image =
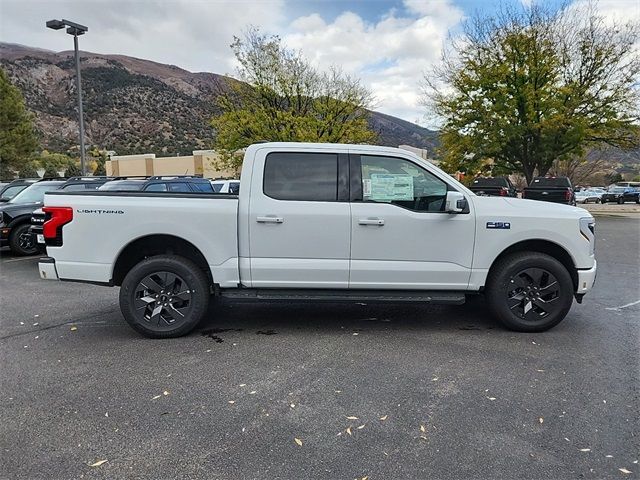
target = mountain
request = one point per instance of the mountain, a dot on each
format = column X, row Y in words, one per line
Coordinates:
column 133, row 105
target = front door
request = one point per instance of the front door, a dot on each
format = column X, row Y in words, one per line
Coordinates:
column 401, row 236
column 299, row 221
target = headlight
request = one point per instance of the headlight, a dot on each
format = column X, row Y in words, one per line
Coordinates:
column 588, row 231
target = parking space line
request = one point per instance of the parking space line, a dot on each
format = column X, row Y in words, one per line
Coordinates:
column 623, row 306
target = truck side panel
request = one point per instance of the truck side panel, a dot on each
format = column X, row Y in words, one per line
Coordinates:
column 103, row 226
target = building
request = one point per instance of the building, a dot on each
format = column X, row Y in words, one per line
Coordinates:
column 201, row 162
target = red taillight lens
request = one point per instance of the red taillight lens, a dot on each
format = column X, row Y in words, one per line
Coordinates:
column 52, row 228
column 568, row 195
column 503, row 192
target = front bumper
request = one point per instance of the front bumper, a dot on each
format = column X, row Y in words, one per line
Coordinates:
column 586, row 279
column 47, row 269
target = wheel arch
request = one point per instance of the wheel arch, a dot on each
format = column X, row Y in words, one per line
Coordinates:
column 541, row 246
column 19, row 220
column 153, row 245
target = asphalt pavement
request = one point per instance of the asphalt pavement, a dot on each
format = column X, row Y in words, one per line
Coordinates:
column 327, row 391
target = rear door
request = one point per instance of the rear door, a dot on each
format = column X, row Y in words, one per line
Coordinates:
column 299, row 220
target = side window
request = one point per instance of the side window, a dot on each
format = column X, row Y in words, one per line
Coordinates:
column 401, row 182
column 179, row 187
column 204, row 187
column 301, row 176
column 74, row 187
column 156, row 187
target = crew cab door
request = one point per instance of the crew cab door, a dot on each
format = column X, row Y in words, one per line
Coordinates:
column 299, row 220
column 401, row 236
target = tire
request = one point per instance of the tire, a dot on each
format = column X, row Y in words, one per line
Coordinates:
column 620, row 201
column 21, row 242
column 529, row 291
column 179, row 281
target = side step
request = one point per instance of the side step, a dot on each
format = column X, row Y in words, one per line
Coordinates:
column 419, row 296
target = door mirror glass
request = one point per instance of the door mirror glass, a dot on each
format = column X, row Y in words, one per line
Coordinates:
column 456, row 202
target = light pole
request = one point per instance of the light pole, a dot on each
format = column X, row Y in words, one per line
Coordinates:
column 76, row 30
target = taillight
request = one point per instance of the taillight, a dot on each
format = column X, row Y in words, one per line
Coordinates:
column 522, row 194
column 52, row 228
column 568, row 195
column 503, row 191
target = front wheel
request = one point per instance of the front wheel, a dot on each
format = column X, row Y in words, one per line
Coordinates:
column 529, row 291
column 164, row 296
column 22, row 242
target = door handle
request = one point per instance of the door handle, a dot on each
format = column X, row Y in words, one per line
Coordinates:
column 371, row 221
column 269, row 219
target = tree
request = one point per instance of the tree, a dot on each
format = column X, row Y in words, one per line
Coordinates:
column 51, row 171
column 528, row 87
column 282, row 97
column 17, row 135
column 100, row 167
column 72, row 170
column 28, row 170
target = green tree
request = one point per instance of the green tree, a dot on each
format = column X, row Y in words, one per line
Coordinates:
column 529, row 87
column 50, row 170
column 28, row 170
column 72, row 169
column 100, row 167
column 18, row 140
column 282, row 97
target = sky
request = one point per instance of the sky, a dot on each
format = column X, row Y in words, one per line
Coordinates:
column 389, row 44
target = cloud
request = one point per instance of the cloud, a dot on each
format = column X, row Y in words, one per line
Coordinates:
column 193, row 35
column 389, row 54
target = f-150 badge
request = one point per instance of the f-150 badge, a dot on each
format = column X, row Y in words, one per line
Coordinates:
column 500, row 225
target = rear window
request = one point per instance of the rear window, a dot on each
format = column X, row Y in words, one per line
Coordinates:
column 301, row 176
column 551, row 182
column 204, row 187
column 490, row 182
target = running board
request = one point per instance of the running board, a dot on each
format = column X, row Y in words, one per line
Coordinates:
column 434, row 297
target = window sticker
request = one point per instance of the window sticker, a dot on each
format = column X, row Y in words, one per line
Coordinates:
column 366, row 187
column 387, row 187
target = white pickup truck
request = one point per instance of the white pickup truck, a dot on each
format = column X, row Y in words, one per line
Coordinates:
column 323, row 222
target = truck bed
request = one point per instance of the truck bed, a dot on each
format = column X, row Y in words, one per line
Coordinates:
column 206, row 220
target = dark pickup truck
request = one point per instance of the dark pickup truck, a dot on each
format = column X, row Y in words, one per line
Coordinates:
column 550, row 189
column 494, row 187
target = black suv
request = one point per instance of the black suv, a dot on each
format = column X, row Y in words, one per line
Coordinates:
column 493, row 186
column 11, row 189
column 15, row 216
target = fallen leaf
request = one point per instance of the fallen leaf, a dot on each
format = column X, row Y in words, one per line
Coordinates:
column 338, row 391
column 156, row 397
column 423, row 437
column 165, row 393
column 349, row 430
column 293, row 405
column 352, row 418
column 434, row 379
column 232, row 402
column 252, row 392
column 567, row 439
column 541, row 420
column 491, row 398
column 384, row 417
column 539, row 370
column 298, row 441
column 365, row 478
column 361, row 426
column 355, row 333
column 73, row 329
column 106, row 414
column 625, row 471
column 98, row 463
column 609, row 456
column 422, row 429
column 585, row 449
column 242, row 385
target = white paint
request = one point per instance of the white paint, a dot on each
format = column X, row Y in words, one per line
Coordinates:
column 623, row 306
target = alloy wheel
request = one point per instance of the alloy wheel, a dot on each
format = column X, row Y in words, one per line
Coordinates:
column 533, row 294
column 162, row 300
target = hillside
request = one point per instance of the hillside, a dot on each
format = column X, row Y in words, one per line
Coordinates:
column 139, row 106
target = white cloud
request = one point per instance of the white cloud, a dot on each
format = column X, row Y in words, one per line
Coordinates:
column 389, row 55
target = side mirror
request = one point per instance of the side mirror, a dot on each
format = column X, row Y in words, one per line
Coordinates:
column 455, row 203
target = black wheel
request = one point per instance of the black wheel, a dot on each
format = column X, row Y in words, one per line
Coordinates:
column 164, row 296
column 620, row 201
column 21, row 242
column 529, row 291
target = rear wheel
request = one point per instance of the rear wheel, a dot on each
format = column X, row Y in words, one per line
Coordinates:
column 21, row 241
column 529, row 291
column 164, row 296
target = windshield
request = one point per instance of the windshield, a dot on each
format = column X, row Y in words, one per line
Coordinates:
column 35, row 193
column 12, row 191
column 617, row 189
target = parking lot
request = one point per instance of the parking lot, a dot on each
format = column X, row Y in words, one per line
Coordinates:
column 322, row 391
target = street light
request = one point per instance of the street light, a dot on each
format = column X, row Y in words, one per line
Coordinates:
column 76, row 30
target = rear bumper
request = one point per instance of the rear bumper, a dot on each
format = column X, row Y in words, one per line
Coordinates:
column 586, row 279
column 47, row 269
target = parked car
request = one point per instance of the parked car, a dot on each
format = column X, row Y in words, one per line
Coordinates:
column 323, row 222
column 73, row 184
column 494, row 186
column 550, row 189
column 621, row 195
column 15, row 216
column 226, row 186
column 176, row 184
column 11, row 189
column 589, row 195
